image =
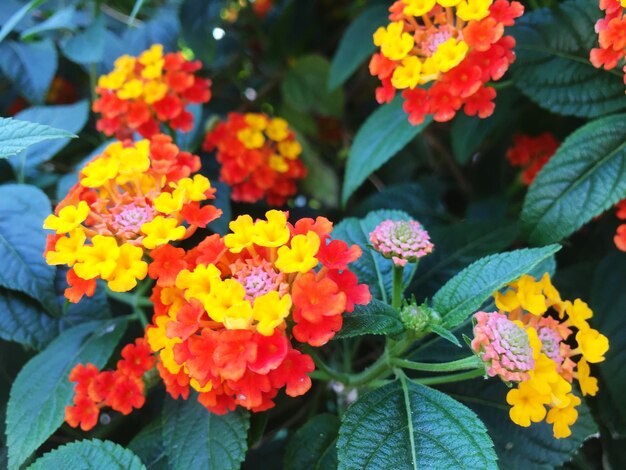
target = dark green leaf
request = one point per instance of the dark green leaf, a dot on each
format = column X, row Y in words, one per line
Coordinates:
column 553, row 68
column 312, row 447
column 195, row 438
column 198, row 18
column 148, row 446
column 16, row 135
column 8, row 26
column 467, row 291
column 585, row 177
column 87, row 47
column 357, row 44
column 61, row 19
column 406, row 425
column 221, row 201
column 321, row 181
column 42, row 390
column 86, row 455
column 383, row 134
column 375, row 318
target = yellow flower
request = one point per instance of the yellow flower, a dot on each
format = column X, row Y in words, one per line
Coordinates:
column 300, row 257
column 393, row 42
column 66, row 248
column 273, row 232
column 168, row 203
column 243, row 231
column 277, row 129
column 69, row 218
column 132, row 89
column 198, row 388
column 197, row 283
column 133, row 160
column 238, row 316
column 278, row 163
column 154, row 71
column 258, row 122
column 418, row 7
column 527, row 405
column 592, row 344
column 250, row 138
column 448, row 3
column 529, row 293
column 506, row 302
column 154, row 54
column 160, row 231
column 225, row 294
column 549, row 290
column 408, row 74
column 588, row 384
column 112, row 81
column 99, row 171
column 290, row 149
column 578, row 314
column 473, row 9
column 158, row 341
column 130, row 267
column 563, row 418
column 99, row 259
column 270, row 311
column 125, row 64
column 449, row 54
column 194, row 189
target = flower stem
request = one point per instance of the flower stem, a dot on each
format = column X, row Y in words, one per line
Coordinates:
column 398, row 286
column 471, row 362
column 442, row 379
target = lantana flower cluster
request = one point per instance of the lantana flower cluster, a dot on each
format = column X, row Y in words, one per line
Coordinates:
column 442, row 53
column 121, row 389
column 531, row 154
column 402, row 241
column 143, row 92
column 611, row 36
column 260, row 157
column 133, row 197
column 228, row 313
column 542, row 344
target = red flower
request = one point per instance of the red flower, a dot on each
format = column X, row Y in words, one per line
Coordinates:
column 83, row 413
column 337, row 254
column 78, row 287
column 167, row 262
column 293, row 373
column 138, row 359
column 126, row 394
column 317, row 299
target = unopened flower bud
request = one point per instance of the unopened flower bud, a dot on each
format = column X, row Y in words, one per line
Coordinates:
column 402, row 241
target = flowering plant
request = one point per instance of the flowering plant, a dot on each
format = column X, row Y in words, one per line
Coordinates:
column 287, row 234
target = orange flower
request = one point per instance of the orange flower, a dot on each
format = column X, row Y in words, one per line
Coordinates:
column 531, row 153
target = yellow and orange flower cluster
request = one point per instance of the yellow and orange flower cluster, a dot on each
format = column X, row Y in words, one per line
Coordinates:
column 143, row 92
column 456, row 46
column 133, row 197
column 557, row 347
column 227, row 311
column 260, row 157
column 611, row 36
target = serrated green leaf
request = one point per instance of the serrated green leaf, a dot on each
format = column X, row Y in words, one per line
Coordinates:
column 520, row 448
column 406, row 425
column 585, row 177
column 375, row 318
column 313, row 446
column 467, row 291
column 86, row 455
column 22, row 241
column 42, row 390
column 371, row 268
column 195, row 438
column 17, row 135
column 385, row 132
column 553, row 68
column 148, row 446
column 356, row 44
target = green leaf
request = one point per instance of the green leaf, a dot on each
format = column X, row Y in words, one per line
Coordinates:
column 553, row 68
column 321, row 181
column 375, row 318
column 467, row 291
column 71, row 118
column 304, row 88
column 406, row 425
column 520, row 448
column 22, row 242
column 197, row 19
column 148, row 446
column 221, row 201
column 312, row 447
column 30, row 66
column 42, row 390
column 86, row 455
column 371, row 268
column 61, row 19
column 16, row 135
column 585, row 177
column 383, row 134
column 86, row 47
column 357, row 44
column 8, row 26
column 195, row 438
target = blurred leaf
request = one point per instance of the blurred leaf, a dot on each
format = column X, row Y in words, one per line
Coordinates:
column 195, row 438
column 148, row 446
column 465, row 293
column 585, row 177
column 553, row 68
column 356, row 44
column 375, row 318
column 385, row 132
column 86, row 47
column 64, row 18
column 135, row 11
column 221, row 201
column 198, row 18
column 70, row 117
column 189, row 141
column 85, row 455
column 321, row 181
column 42, row 390
column 17, row 135
column 30, row 66
column 304, row 87
column 406, row 425
column 22, row 242
column 371, row 268
column 312, row 447
column 8, row 26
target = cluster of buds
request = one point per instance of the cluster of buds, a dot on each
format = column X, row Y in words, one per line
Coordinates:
column 402, row 241
column 541, row 343
column 143, row 92
column 133, row 197
column 531, row 154
column 260, row 157
column 455, row 46
column 121, row 389
column 611, row 36
column 227, row 311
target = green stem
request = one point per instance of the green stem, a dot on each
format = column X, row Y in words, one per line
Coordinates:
column 502, row 85
column 443, row 379
column 471, row 362
column 398, row 286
